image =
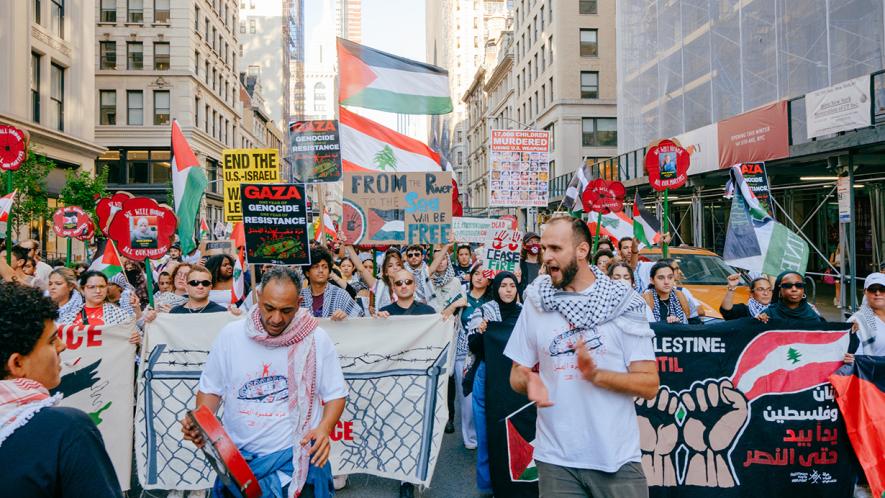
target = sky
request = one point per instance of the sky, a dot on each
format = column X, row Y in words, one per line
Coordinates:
column 395, row 26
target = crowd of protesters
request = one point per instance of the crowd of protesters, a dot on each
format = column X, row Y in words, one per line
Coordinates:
column 561, row 286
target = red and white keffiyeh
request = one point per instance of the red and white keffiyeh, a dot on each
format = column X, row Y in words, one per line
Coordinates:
column 302, row 381
column 20, row 399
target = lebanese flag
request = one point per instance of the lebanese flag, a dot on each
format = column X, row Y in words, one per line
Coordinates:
column 6, row 206
column 109, row 263
column 188, row 186
column 786, row 361
column 327, row 227
column 238, row 290
column 615, row 226
column 378, row 80
column 370, row 147
column 238, row 234
column 860, row 394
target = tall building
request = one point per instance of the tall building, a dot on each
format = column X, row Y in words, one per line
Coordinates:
column 159, row 61
column 48, row 89
column 263, row 35
column 295, row 58
column 257, row 128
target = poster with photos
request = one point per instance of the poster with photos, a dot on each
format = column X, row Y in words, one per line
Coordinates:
column 519, row 172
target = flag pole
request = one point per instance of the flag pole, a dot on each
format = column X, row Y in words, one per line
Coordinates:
column 149, row 280
column 596, row 237
column 9, row 220
column 68, row 258
column 665, row 223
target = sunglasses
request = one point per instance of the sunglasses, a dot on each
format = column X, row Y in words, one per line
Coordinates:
column 197, row 283
column 876, row 288
column 787, row 286
column 414, row 254
column 407, row 281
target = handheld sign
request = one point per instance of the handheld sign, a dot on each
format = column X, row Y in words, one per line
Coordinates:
column 275, row 224
column 13, row 147
column 107, row 207
column 667, row 165
column 501, row 252
column 246, row 166
column 603, row 197
column 72, row 221
column 223, row 454
column 314, row 151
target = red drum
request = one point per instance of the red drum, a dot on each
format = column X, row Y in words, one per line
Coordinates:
column 223, row 454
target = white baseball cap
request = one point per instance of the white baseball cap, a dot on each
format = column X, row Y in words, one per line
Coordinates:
column 873, row 279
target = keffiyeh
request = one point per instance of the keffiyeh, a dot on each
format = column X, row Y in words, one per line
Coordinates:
column 68, row 311
column 674, row 307
column 755, row 307
column 865, row 318
column 423, row 288
column 302, row 381
column 334, row 298
column 20, row 399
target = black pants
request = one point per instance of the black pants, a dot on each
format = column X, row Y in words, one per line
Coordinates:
column 450, row 399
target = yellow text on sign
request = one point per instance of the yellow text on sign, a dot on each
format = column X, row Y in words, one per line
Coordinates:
column 246, row 166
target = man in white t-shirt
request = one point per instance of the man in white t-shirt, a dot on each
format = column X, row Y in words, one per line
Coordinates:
column 587, row 439
column 281, row 426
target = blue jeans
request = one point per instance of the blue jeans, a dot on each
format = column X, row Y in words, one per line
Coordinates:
column 483, row 475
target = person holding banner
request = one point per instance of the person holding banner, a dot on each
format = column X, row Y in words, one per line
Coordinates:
column 222, row 268
column 165, row 301
column 463, row 264
column 582, row 351
column 405, row 285
column 870, row 318
column 667, row 304
column 382, row 286
column 278, row 346
column 96, row 309
column 415, row 263
column 45, row 450
column 789, row 301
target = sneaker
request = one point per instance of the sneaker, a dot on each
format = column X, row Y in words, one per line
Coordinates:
column 470, row 446
column 450, row 427
column 862, row 491
column 339, row 482
column 406, row 490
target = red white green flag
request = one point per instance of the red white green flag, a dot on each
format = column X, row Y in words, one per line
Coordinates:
column 188, row 186
column 204, row 229
column 370, row 147
column 238, row 290
column 520, row 452
column 109, row 263
column 6, row 206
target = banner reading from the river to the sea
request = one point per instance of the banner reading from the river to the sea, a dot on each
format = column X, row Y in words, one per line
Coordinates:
column 519, row 168
column 745, row 410
column 246, row 166
column 396, row 208
column 98, row 377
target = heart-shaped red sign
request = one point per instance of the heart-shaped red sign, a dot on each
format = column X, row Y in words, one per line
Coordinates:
column 107, row 207
column 143, row 229
column 603, row 196
column 13, row 147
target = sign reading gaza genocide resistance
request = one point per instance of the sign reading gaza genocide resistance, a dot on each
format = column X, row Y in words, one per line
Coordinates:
column 393, row 208
column 501, row 252
column 246, row 166
column 275, row 223
column 315, row 151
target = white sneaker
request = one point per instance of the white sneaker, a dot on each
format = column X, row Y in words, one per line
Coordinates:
column 470, row 446
column 339, row 482
column 861, row 491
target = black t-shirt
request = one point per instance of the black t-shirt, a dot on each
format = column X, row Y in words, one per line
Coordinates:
column 59, row 453
column 212, row 307
column 739, row 310
column 664, row 309
column 415, row 309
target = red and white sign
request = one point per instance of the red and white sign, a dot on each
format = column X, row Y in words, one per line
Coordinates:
column 667, row 165
column 73, row 221
column 107, row 207
column 604, row 196
column 762, row 134
column 13, row 147
column 143, row 229
column 501, row 252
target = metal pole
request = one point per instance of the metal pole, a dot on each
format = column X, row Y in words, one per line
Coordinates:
column 149, row 279
column 852, row 238
column 9, row 221
column 665, row 222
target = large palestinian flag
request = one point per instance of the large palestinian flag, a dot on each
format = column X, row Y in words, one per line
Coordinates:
column 188, row 185
column 377, row 80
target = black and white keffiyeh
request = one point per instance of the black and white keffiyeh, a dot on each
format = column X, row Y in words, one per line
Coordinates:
column 865, row 318
column 607, row 300
column 67, row 312
column 755, row 307
column 673, row 305
column 424, row 292
column 441, row 279
column 334, row 298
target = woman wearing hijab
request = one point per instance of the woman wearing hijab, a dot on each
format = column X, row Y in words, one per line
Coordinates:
column 504, row 307
column 788, row 301
column 667, row 304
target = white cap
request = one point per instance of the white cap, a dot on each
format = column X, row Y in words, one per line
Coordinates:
column 874, row 278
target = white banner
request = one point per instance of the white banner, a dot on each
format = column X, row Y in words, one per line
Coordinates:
column 393, row 421
column 841, row 107
column 476, row 229
column 702, row 145
column 97, row 377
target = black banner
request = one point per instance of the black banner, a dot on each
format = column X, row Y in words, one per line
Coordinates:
column 744, row 410
column 315, row 151
column 510, row 424
column 275, row 222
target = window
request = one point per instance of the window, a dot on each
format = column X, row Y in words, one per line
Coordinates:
column 134, row 55
column 550, row 13
column 214, row 79
column 161, row 107
column 36, row 59
column 542, row 18
column 252, row 26
column 589, row 85
column 551, row 89
column 242, row 27
column 587, row 6
column 136, row 11
column 161, row 56
column 589, row 46
column 206, row 74
column 207, row 29
column 57, row 94
column 108, row 11
column 530, row 73
column 139, row 166
column 550, row 50
column 196, row 111
column 319, row 97
column 197, row 19
column 107, row 52
column 134, row 107
column 599, row 132
column 161, row 11
column 107, row 101
column 206, row 119
column 38, row 7
column 57, row 14
column 196, row 63
column 160, row 167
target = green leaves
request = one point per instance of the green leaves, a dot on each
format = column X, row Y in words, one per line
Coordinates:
column 83, row 189
column 385, row 159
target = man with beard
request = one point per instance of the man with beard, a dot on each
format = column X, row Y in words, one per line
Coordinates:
column 280, row 380
column 588, row 339
column 414, row 262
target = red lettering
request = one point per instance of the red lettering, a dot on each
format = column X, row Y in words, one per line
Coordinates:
column 93, row 337
column 272, row 192
column 668, row 364
column 752, row 168
column 342, row 431
column 74, row 336
column 313, row 126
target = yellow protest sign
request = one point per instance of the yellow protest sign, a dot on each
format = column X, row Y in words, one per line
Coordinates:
column 246, row 166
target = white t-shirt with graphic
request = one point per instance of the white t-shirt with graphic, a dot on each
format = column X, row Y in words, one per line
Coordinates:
column 587, row 427
column 252, row 381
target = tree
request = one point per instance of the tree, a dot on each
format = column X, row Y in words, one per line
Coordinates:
column 83, row 189
column 793, row 355
column 32, row 200
column 385, row 159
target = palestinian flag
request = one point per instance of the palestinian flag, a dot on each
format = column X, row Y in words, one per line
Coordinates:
column 754, row 241
column 572, row 201
column 520, row 452
column 615, row 226
column 6, row 206
column 370, row 147
column 646, row 228
column 860, row 393
column 204, row 229
column 188, row 186
column 238, row 289
column 787, row 361
column 387, row 224
column 109, row 262
column 377, row 80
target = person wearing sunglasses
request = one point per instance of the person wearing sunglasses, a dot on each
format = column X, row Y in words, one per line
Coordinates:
column 789, row 301
column 199, row 284
column 414, row 262
column 870, row 318
column 404, row 286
